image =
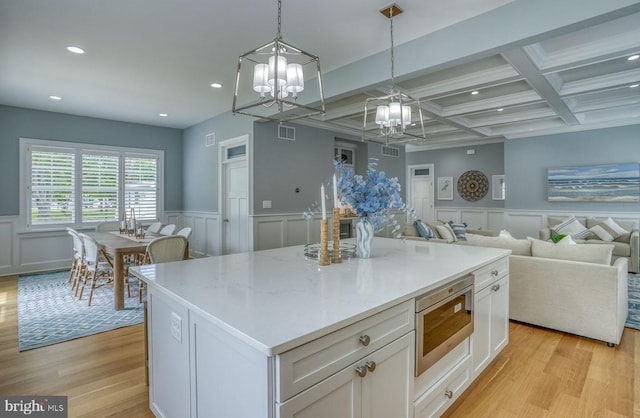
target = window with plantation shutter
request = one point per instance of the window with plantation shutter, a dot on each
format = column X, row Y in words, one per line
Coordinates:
column 141, row 186
column 80, row 185
column 100, row 187
column 52, row 186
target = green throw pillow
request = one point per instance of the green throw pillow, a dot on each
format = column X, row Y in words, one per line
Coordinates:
column 557, row 238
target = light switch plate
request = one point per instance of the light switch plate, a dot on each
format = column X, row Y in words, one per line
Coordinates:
column 266, row 204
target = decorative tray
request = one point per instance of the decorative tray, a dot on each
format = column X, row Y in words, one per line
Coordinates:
column 347, row 251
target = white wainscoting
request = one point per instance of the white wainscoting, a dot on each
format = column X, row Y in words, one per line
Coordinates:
column 205, row 236
column 31, row 252
column 478, row 218
column 284, row 230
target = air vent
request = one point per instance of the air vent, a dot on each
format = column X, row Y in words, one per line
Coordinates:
column 210, row 139
column 390, row 151
column 286, row 132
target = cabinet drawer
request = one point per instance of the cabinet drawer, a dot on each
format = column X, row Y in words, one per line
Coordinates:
column 304, row 366
column 490, row 273
column 439, row 398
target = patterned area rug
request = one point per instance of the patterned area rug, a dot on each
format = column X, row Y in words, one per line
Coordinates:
column 633, row 320
column 48, row 313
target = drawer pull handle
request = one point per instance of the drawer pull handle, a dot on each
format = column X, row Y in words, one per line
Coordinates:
column 371, row 366
column 365, row 340
column 495, row 287
column 494, row 273
column 448, row 394
column 361, row 370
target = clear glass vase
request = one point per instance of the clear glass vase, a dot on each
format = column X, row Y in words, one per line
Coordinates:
column 364, row 237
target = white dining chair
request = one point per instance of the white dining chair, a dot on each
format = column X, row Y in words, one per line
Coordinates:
column 155, row 227
column 98, row 272
column 185, row 232
column 77, row 262
column 108, row 226
column 163, row 250
column 167, row 229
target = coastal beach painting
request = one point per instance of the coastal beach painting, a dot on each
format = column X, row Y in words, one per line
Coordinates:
column 594, row 183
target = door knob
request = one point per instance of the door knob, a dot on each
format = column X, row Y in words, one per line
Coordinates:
column 226, row 219
column 361, row 370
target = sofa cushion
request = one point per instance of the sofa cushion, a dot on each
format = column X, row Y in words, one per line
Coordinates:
column 517, row 246
column 424, row 230
column 554, row 220
column 434, row 227
column 571, row 226
column 410, row 230
column 598, row 254
column 459, row 230
column 620, row 249
column 445, row 232
column 601, row 233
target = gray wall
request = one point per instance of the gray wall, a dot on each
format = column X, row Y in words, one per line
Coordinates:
column 281, row 166
column 527, row 161
column 16, row 123
column 200, row 172
column 453, row 162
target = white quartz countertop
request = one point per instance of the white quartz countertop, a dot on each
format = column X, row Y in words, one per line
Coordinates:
column 275, row 300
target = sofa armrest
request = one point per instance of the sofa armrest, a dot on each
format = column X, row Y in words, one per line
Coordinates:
column 545, row 234
column 634, row 259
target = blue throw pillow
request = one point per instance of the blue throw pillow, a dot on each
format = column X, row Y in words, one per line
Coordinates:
column 423, row 230
column 460, row 230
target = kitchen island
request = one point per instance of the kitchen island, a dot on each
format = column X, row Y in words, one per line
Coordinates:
column 272, row 334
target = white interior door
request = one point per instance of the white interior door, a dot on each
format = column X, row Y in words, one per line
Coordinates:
column 235, row 199
column 421, row 196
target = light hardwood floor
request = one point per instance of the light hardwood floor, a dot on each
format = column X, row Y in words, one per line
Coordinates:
column 541, row 373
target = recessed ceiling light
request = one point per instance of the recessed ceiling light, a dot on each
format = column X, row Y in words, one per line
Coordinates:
column 500, row 110
column 55, row 97
column 75, row 49
column 633, row 86
column 475, row 92
column 164, row 115
column 633, row 57
column 216, row 85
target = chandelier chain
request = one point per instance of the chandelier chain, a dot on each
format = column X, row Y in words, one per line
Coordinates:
column 392, row 57
column 279, row 18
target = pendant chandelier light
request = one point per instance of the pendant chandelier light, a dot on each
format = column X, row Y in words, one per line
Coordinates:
column 270, row 81
column 396, row 114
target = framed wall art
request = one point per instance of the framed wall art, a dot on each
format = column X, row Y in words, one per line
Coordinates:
column 473, row 185
column 445, row 188
column 497, row 187
column 594, row 183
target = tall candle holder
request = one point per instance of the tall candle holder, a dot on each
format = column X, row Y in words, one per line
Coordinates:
column 336, row 256
column 323, row 259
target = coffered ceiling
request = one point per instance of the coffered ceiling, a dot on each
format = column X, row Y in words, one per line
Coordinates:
column 146, row 57
column 582, row 79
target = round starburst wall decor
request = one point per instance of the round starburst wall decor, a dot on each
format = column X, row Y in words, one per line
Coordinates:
column 473, row 185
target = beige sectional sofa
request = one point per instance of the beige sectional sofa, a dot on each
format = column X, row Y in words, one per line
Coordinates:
column 570, row 288
column 626, row 245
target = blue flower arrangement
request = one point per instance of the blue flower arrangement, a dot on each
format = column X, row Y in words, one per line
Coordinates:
column 373, row 196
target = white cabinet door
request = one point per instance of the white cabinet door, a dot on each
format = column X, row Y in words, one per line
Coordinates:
column 378, row 386
column 491, row 323
column 499, row 315
column 336, row 396
column 387, row 388
column 481, row 338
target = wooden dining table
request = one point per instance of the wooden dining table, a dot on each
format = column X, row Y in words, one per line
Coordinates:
column 117, row 247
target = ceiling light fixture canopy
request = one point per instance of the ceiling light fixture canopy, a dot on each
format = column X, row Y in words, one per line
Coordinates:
column 395, row 112
column 277, row 78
